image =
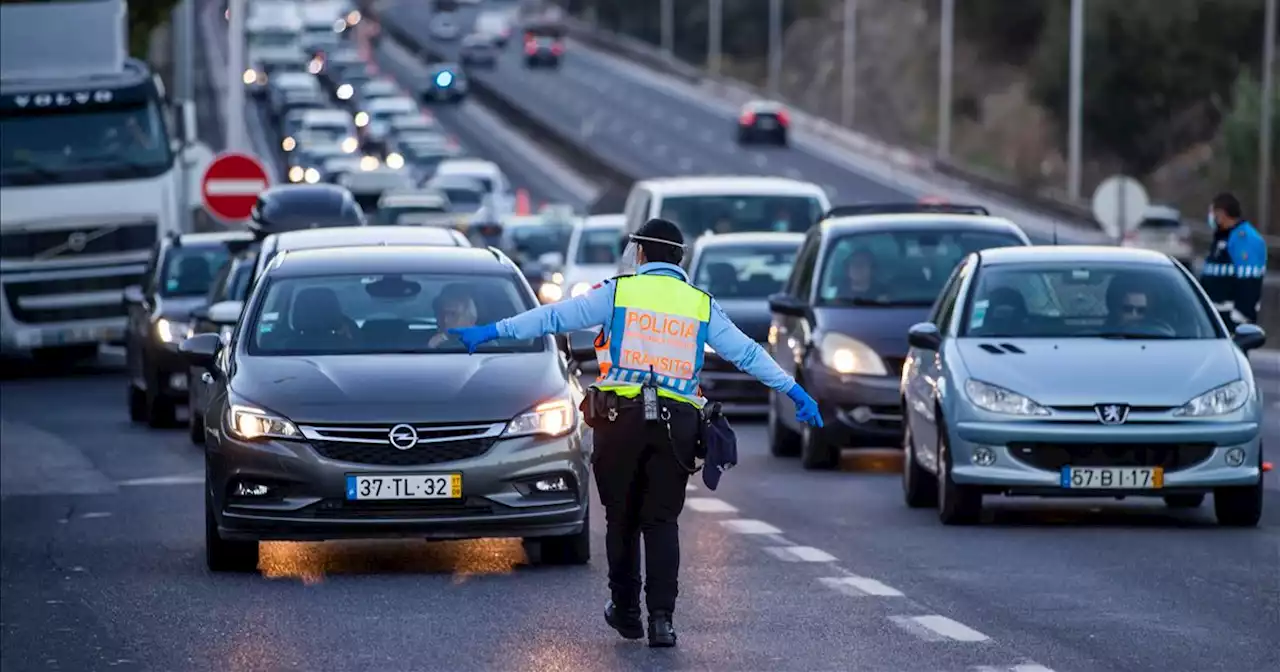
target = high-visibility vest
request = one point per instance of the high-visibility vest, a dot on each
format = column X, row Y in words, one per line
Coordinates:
column 658, row 329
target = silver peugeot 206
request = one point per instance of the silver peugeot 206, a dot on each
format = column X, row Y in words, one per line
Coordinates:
column 1080, row 371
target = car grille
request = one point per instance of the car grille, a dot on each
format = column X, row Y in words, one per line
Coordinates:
column 370, row 444
column 15, row 291
column 1055, row 456
column 88, row 240
column 341, row 508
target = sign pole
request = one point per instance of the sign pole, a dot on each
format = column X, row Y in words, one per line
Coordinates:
column 1075, row 101
column 1266, row 123
column 234, row 117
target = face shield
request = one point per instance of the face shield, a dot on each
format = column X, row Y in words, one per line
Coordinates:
column 628, row 262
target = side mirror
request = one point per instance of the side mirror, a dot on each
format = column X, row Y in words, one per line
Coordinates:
column 551, row 260
column 201, row 313
column 1249, row 337
column 925, row 336
column 785, row 304
column 201, row 349
column 226, row 312
column 133, row 295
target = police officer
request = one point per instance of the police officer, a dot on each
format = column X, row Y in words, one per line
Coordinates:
column 655, row 327
column 1236, row 265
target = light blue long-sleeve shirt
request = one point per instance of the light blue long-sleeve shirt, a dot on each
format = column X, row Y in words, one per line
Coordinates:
column 595, row 308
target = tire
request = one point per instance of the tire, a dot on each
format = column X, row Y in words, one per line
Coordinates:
column 781, row 140
column 571, row 549
column 195, row 425
column 957, row 504
column 816, row 452
column 137, row 404
column 1184, row 501
column 743, row 137
column 919, row 487
column 1239, row 506
column 162, row 412
column 223, row 555
column 782, row 441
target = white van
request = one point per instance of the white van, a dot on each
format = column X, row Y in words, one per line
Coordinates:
column 727, row 204
column 486, row 173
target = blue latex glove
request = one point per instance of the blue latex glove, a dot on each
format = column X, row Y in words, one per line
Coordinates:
column 806, row 408
column 472, row 337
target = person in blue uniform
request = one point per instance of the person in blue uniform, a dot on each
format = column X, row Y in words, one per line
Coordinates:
column 655, row 328
column 1236, row 264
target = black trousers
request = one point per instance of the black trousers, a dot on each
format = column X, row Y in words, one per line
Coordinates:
column 641, row 474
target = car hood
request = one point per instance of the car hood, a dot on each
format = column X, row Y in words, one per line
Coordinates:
column 752, row 316
column 400, row 388
column 884, row 329
column 1084, row 372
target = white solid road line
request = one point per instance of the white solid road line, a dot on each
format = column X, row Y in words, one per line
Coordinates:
column 800, row 554
column 1025, row 667
column 180, row 479
column 747, row 526
column 939, row 628
column 710, row 505
column 235, row 187
column 857, row 586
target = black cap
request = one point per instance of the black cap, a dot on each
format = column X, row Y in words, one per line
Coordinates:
column 1229, row 205
column 664, row 230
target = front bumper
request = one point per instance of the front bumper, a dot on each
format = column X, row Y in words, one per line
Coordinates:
column 1030, row 455
column 737, row 392
column 309, row 500
column 166, row 369
column 857, row 411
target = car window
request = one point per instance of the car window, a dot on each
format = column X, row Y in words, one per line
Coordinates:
column 383, row 314
column 697, row 215
column 599, row 246
column 903, row 268
column 190, row 271
column 241, row 277
column 743, row 272
column 218, row 288
column 534, row 240
column 945, row 307
column 1087, row 300
column 802, row 274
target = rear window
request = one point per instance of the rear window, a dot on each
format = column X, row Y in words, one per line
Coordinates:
column 697, row 215
column 744, row 272
column 599, row 246
column 189, row 271
column 462, row 196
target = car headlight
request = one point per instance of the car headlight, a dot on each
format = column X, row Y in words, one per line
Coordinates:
column 288, row 144
column 1218, row 401
column 315, row 66
column 311, row 176
column 580, row 288
column 395, row 160
column 350, row 145
column 345, row 92
column 850, row 356
column 362, row 119
column 170, row 331
column 550, row 292
column 996, row 399
column 353, row 17
column 249, row 424
column 296, row 174
column 251, row 77
column 369, row 163
column 552, row 418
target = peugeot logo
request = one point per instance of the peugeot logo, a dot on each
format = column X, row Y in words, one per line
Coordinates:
column 403, row 437
column 1112, row 414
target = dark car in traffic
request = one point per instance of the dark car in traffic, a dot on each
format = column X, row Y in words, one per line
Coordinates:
column 543, row 45
column 863, row 276
column 219, row 316
column 741, row 270
column 763, row 121
column 341, row 409
column 176, row 283
column 304, row 206
column 446, row 83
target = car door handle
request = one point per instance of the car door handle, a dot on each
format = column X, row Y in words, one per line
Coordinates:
column 206, row 378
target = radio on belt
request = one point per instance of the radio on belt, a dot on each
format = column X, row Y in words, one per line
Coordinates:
column 649, row 394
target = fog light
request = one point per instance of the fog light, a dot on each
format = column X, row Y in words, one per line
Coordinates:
column 861, row 414
column 296, row 173
column 311, row 176
column 246, row 489
column 1235, row 457
column 983, row 456
column 178, row 381
column 555, row 484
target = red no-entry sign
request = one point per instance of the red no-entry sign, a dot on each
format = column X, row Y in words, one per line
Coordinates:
column 231, row 185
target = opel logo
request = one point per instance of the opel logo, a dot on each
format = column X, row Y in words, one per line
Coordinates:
column 403, row 437
column 1112, row 414
column 77, row 241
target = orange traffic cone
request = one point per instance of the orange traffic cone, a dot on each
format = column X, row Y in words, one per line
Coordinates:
column 522, row 202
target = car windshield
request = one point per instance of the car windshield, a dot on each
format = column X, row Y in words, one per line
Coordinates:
column 481, row 180
column 697, row 215
column 383, row 314
column 64, row 138
column 271, row 39
column 459, row 195
column 1094, row 300
column 744, row 272
column 598, row 247
column 190, row 271
column 898, row 268
column 392, row 215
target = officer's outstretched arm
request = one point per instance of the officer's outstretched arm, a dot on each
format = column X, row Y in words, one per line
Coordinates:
column 589, row 310
column 734, row 346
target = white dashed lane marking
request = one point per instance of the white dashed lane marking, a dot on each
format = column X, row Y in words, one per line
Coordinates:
column 747, row 526
column 938, row 629
column 857, row 586
column 1026, row 667
column 800, row 554
column 710, row 505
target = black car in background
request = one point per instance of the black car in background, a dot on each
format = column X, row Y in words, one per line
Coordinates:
column 304, row 206
column 219, row 316
column 741, row 270
column 863, row 276
column 763, row 121
column 175, row 284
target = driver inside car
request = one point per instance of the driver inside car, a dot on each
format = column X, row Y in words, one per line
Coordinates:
column 860, row 281
column 455, row 309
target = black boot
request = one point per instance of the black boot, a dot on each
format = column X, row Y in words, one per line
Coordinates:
column 625, row 621
column 662, row 633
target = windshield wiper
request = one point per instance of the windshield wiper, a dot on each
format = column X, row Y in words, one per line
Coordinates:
column 880, row 303
column 1134, row 336
column 34, row 167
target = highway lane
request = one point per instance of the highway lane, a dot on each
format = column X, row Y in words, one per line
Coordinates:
column 101, row 568
column 654, row 126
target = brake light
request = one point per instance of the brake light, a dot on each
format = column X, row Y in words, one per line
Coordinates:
column 557, row 49
column 530, row 45
column 784, row 118
column 747, row 118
